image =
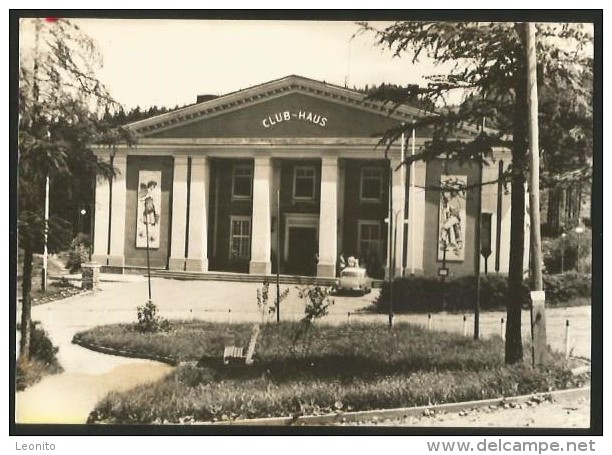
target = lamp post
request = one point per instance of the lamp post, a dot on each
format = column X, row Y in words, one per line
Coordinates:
column 579, row 230
column 148, row 260
column 46, row 234
column 82, row 213
column 563, row 235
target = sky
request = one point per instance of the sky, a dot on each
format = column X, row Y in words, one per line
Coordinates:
column 169, row 62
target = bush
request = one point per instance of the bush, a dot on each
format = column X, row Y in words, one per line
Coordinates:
column 43, row 360
column 554, row 249
column 566, row 287
column 149, row 321
column 317, row 301
column 78, row 253
column 317, row 305
column 425, row 294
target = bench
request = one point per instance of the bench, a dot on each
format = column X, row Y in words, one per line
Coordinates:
column 235, row 353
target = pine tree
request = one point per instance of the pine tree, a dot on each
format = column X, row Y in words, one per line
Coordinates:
column 487, row 64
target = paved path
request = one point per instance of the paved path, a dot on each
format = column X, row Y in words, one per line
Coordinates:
column 560, row 414
column 88, row 376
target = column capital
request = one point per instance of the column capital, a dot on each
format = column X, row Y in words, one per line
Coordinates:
column 263, row 160
column 198, row 160
column 180, row 160
column 119, row 158
column 329, row 161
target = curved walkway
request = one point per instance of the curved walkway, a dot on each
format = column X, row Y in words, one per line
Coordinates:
column 89, row 376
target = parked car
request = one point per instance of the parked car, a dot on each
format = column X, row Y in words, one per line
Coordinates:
column 354, row 279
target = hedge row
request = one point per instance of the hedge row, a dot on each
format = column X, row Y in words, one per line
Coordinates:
column 424, row 294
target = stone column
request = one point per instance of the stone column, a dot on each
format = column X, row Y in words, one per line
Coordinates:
column 260, row 229
column 102, row 211
column 398, row 201
column 179, row 214
column 117, row 237
column 328, row 218
column 197, row 249
column 416, row 225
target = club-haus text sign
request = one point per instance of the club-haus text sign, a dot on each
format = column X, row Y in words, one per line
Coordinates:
column 286, row 116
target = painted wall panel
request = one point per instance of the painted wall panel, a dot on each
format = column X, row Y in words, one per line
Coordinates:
column 138, row 256
column 431, row 263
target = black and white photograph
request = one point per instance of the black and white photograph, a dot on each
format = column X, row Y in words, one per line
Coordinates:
column 258, row 223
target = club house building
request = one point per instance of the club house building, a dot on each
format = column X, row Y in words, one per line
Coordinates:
column 292, row 167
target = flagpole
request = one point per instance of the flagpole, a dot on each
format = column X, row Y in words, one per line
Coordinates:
column 45, row 250
column 402, row 209
column 411, row 198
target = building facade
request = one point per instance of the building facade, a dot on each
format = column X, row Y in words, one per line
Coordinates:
column 292, row 169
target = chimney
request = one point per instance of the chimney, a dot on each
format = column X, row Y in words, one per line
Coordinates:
column 203, row 98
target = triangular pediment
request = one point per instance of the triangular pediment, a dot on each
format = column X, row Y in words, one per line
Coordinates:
column 290, row 107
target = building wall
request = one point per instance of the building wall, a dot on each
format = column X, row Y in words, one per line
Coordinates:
column 221, row 208
column 432, row 209
column 341, row 121
column 137, row 257
column 355, row 209
column 290, row 206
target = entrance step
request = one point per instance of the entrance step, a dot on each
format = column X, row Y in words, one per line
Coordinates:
column 247, row 278
column 242, row 277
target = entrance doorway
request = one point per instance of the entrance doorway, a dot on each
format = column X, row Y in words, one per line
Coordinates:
column 302, row 251
column 301, row 244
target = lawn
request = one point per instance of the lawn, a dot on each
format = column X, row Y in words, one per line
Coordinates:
column 322, row 369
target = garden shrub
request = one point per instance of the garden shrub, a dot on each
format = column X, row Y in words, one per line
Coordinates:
column 149, row 321
column 43, row 360
column 552, row 250
column 568, row 286
column 78, row 253
column 317, row 305
column 425, row 294
column 263, row 300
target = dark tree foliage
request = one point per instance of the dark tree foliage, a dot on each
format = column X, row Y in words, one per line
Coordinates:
column 486, row 62
column 61, row 106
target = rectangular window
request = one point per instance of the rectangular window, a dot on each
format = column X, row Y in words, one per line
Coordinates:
column 242, row 181
column 240, row 238
column 304, row 181
column 370, row 241
column 371, row 184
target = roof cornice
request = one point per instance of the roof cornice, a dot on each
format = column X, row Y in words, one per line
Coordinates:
column 267, row 91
